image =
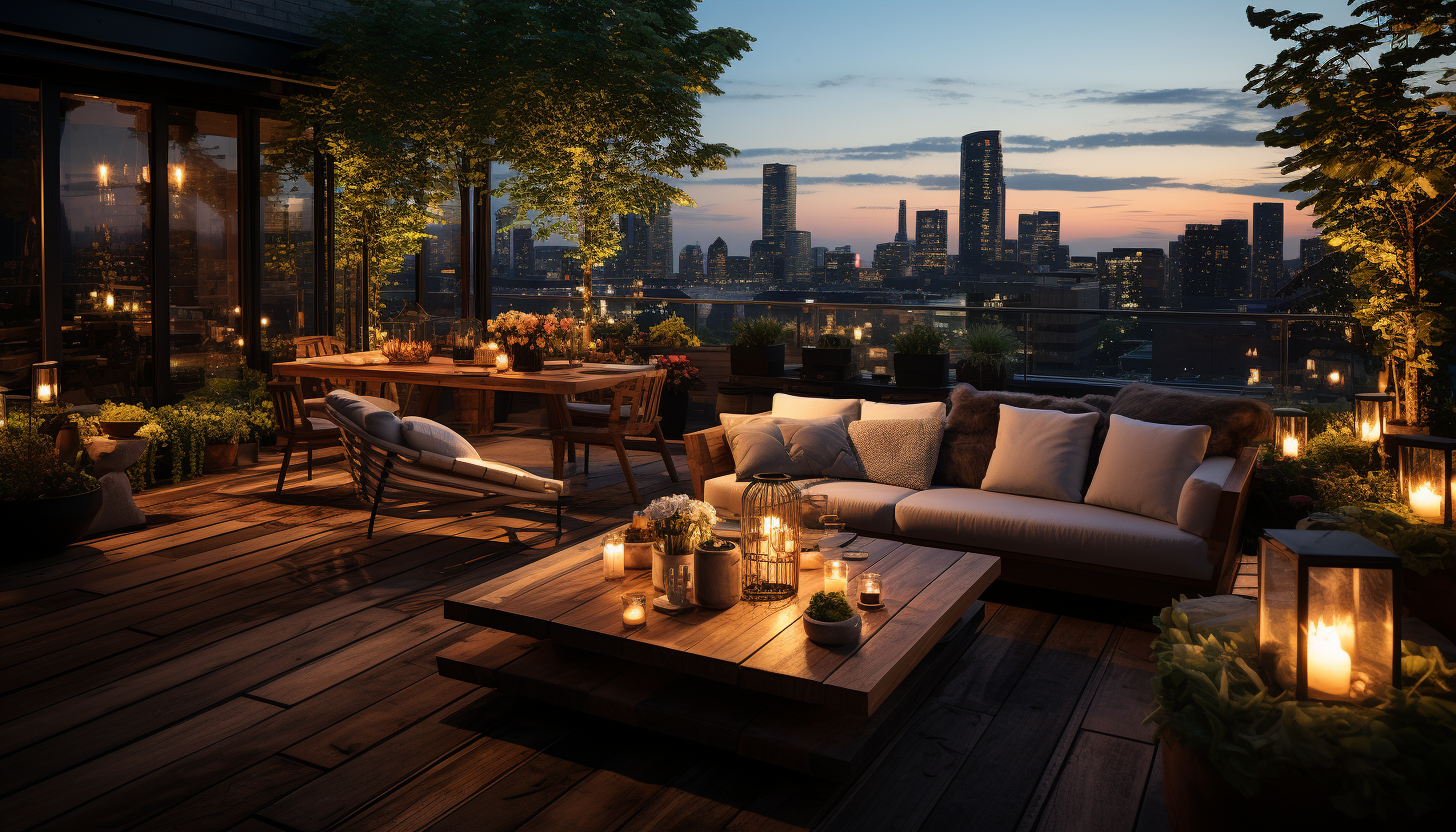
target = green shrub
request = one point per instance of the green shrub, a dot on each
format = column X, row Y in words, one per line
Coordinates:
column 674, row 332
column 757, row 332
column 829, row 607
column 990, row 344
column 919, row 339
column 833, row 341
column 30, row 468
column 617, row 334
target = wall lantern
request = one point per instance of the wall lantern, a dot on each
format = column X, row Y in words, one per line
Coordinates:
column 1423, row 469
column 45, row 382
column 1329, row 623
column 1372, row 412
column 1291, row 431
column 771, row 535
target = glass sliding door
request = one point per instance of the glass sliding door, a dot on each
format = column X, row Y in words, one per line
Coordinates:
column 206, row 328
column 442, row 262
column 106, row 267
column 20, row 238
column 289, row 239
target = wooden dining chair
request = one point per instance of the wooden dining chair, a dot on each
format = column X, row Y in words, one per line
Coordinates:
column 629, row 420
column 296, row 427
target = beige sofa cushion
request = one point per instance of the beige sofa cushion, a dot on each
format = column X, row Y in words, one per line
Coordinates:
column 865, row 506
column 428, row 435
column 1144, row 465
column 808, row 407
column 801, row 448
column 1198, row 502
column 1044, row 528
column 871, row 411
column 1041, row 453
column 725, row 493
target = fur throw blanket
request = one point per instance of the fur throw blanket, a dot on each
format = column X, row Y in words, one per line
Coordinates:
column 1236, row 422
column 975, row 416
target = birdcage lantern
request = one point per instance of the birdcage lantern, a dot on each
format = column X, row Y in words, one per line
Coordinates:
column 771, row 536
column 1424, row 472
column 1372, row 412
column 1291, row 431
column 466, row 335
column 411, row 324
column 1329, row 622
column 45, row 382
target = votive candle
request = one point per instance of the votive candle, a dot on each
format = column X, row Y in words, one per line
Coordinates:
column 1329, row 664
column 836, row 576
column 871, row 589
column 614, row 556
column 1291, row 446
column 634, row 609
column 1425, row 503
column 502, row 362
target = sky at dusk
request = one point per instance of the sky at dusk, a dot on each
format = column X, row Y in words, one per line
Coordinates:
column 1125, row 115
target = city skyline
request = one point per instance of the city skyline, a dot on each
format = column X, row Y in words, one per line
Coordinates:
column 1127, row 150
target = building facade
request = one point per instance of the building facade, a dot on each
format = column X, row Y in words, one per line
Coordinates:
column 718, row 262
column 982, row 200
column 1267, row 255
column 690, row 264
column 931, row 232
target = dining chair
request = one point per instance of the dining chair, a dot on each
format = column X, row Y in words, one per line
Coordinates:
column 629, row 420
column 296, row 427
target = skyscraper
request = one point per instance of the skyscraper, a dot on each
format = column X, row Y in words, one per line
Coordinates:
column 1311, row 251
column 660, row 236
column 634, row 261
column 523, row 243
column 840, row 265
column 797, row 258
column 690, row 264
column 1268, row 253
column 932, row 228
column 983, row 200
column 900, row 235
column 780, row 209
column 892, row 260
column 1232, row 260
column 718, row 261
column 1132, row 277
column 1173, row 282
column 505, row 216
column 1038, row 235
column 1026, row 239
column 1198, row 264
column 817, row 255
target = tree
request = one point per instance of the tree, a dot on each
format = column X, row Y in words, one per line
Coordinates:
column 1375, row 145
column 613, row 116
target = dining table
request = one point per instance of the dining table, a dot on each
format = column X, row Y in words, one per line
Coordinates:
column 554, row 384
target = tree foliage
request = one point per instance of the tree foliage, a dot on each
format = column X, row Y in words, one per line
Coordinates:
column 1374, row 144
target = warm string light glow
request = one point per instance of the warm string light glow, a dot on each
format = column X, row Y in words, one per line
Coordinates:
column 1335, row 377
column 103, row 176
column 110, row 301
column 177, row 176
column 1328, row 663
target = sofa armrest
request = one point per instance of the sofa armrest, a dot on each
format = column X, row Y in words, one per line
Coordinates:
column 708, row 456
column 1228, row 521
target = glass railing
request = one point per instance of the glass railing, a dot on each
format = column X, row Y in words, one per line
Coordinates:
column 1285, row 356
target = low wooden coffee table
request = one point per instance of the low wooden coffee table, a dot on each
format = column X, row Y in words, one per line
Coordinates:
column 745, row 678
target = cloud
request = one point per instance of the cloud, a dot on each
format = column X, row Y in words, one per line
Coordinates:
column 753, row 96
column 1176, row 95
column 1025, row 181
column 942, row 96
column 948, row 81
column 1207, row 135
column 1072, row 182
column 840, row 81
column 875, row 152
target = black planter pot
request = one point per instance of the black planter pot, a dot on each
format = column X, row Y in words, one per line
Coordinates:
column 757, row 361
column 981, row 376
column 43, row 527
column 673, row 408
column 525, row 359
column 922, row 370
column 826, row 356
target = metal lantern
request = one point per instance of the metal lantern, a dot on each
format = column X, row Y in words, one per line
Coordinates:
column 1291, row 431
column 1329, row 614
column 1372, row 411
column 465, row 335
column 45, row 382
column 1423, row 468
column 771, row 535
column 411, row 324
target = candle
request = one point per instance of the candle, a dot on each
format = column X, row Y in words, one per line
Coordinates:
column 1425, row 502
column 43, row 394
column 1335, row 377
column 1369, row 431
column 634, row 609
column 614, row 556
column 1291, row 446
column 110, row 301
column 632, row 616
column 870, row 589
column 502, row 362
column 1254, row 376
column 836, row 576
column 858, row 334
column 1329, row 664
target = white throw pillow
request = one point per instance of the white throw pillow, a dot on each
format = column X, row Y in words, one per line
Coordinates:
column 375, row 421
column 427, row 435
column 1198, row 504
column 881, row 410
column 807, row 407
column 1144, row 466
column 1041, row 453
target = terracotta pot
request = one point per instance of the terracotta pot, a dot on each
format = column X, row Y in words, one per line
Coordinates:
column 717, row 577
column 1200, row 800
column 219, row 457
column 832, row 633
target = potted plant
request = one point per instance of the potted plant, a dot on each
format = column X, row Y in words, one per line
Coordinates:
column 717, row 574
column 667, row 336
column 988, row 348
column 830, row 356
column 527, row 335
column 828, row 620
column 758, row 348
column 680, row 523
column 640, row 538
column 46, row 502
column 682, row 377
column 920, row 357
column 121, row 421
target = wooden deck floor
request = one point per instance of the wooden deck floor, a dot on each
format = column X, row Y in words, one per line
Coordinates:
column 251, row 662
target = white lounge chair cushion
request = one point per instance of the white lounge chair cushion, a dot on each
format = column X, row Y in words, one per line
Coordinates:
column 873, row 411
column 374, row 421
column 493, row 472
column 809, row 407
column 315, row 423
column 1054, row 529
column 428, row 435
column 1198, row 503
column 865, row 506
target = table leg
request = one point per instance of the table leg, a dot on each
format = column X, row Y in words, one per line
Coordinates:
column 558, row 418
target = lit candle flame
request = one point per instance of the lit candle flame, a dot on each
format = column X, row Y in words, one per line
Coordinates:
column 1291, row 446
column 1369, row 431
column 1425, row 502
column 1328, row 663
column 110, row 301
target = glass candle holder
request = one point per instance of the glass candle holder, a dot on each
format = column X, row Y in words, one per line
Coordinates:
column 45, row 380
column 1291, row 431
column 634, row 610
column 614, row 556
column 1372, row 411
column 502, row 361
column 832, row 524
column 871, row 590
column 836, row 577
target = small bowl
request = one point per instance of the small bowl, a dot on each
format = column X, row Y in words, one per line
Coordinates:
column 121, row 430
column 832, row 633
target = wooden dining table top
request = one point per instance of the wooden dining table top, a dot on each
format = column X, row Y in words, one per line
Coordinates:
column 555, row 379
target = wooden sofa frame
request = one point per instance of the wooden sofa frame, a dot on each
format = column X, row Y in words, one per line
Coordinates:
column 709, row 457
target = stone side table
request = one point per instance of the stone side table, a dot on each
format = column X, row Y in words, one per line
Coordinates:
column 110, row 458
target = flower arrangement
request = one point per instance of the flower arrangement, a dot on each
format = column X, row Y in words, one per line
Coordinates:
column 406, row 352
column 528, row 329
column 682, row 375
column 681, row 522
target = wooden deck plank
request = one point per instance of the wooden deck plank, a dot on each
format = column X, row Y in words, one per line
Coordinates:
column 1101, row 787
column 231, row 802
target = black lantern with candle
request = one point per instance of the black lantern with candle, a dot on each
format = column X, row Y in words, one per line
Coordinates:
column 1423, row 468
column 1329, row 614
column 1372, row 411
column 1291, row 431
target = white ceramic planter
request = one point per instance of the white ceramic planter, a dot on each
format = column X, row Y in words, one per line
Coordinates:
column 717, row 577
